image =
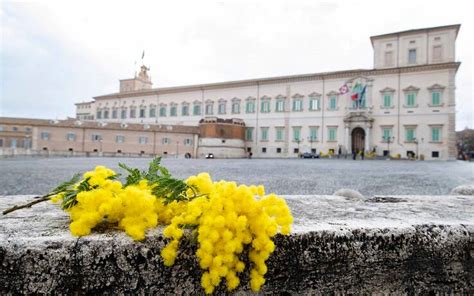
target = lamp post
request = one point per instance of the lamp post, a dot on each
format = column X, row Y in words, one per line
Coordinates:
column 415, row 140
column 311, row 140
column 388, row 140
column 100, row 145
column 298, row 141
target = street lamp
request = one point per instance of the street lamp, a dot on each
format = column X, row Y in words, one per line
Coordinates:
column 311, row 140
column 389, row 140
column 298, row 141
column 415, row 140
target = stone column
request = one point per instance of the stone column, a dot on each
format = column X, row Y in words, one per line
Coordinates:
column 367, row 138
column 346, row 139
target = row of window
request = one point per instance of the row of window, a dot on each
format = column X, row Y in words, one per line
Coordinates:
column 410, row 134
column 411, row 99
column 296, row 134
column 72, row 137
column 15, row 129
column 437, row 55
column 265, row 107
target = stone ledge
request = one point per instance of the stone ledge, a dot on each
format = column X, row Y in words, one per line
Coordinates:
column 391, row 245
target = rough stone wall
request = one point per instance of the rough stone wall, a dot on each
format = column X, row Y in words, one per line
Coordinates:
column 38, row 256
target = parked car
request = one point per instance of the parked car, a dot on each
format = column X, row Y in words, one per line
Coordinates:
column 210, row 156
column 309, row 155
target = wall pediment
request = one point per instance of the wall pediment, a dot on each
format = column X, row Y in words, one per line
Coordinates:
column 280, row 97
column 387, row 90
column 436, row 86
column 314, row 94
column 265, row 98
column 297, row 96
column 333, row 93
column 411, row 88
column 358, row 117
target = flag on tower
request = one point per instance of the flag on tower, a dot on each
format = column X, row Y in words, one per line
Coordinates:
column 143, row 54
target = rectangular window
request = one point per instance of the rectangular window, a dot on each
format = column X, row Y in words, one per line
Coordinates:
column 436, row 134
column 437, row 53
column 265, row 106
column 106, row 114
column 71, row 137
column 313, row 104
column 124, row 114
column 280, row 106
column 411, row 97
column 152, row 112
column 249, row 133
column 332, row 103
column 387, row 134
column 197, row 110
column 165, row 141
column 434, row 154
column 264, row 150
column 99, row 114
column 388, row 58
column 297, row 133
column 1, row 142
column 436, row 98
column 13, row 143
column 209, row 109
column 221, row 108
column 185, row 110
column 162, row 111
column 173, row 111
column 279, row 133
column 96, row 137
column 410, row 134
column 332, row 133
column 313, row 134
column 387, row 101
column 120, row 139
column 264, row 136
column 142, row 140
column 188, row 142
column 133, row 112
column 236, row 108
column 278, row 150
column 142, row 112
column 45, row 136
column 1, row 128
column 412, row 56
column 250, row 107
column 297, row 105
column 114, row 114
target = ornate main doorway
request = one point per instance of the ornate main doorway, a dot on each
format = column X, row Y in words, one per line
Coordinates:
column 358, row 139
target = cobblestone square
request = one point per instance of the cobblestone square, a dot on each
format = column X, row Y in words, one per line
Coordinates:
column 283, row 176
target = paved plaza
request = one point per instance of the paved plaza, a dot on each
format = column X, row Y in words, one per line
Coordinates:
column 283, row 176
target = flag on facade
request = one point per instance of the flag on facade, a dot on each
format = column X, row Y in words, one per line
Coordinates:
column 355, row 92
column 362, row 95
column 143, row 54
column 343, row 89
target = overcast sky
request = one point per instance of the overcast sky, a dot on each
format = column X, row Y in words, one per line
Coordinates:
column 56, row 53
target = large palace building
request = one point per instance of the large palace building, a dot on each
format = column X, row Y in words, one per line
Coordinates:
column 404, row 106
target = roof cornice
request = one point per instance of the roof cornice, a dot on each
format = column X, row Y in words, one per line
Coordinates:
column 415, row 31
column 281, row 79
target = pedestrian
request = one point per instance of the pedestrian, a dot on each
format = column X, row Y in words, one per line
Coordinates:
column 362, row 154
column 339, row 152
column 354, row 154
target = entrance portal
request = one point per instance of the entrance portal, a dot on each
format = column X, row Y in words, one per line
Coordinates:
column 358, row 139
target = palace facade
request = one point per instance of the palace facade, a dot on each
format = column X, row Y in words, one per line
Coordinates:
column 407, row 103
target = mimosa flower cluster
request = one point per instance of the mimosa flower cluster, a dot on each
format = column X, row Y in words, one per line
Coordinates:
column 229, row 220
